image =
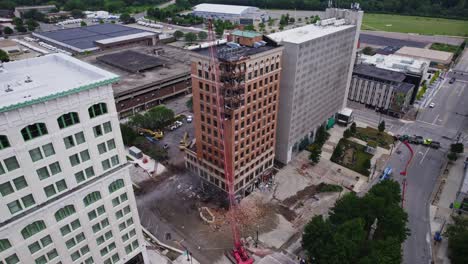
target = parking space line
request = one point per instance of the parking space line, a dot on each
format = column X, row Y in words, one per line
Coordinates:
column 424, row 156
column 435, row 120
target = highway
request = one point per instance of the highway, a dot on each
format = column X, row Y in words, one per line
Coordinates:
column 446, row 122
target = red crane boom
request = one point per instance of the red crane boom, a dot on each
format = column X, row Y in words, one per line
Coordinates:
column 239, row 253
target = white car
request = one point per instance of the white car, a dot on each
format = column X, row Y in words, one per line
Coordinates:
column 431, row 105
column 176, row 125
column 189, row 119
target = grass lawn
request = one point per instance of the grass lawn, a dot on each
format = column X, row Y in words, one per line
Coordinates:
column 359, row 157
column 371, row 134
column 444, row 47
column 414, row 24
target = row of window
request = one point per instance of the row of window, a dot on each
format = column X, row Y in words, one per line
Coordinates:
column 66, row 120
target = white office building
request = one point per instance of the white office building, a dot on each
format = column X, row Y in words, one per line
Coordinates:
column 316, row 72
column 65, row 191
column 232, row 13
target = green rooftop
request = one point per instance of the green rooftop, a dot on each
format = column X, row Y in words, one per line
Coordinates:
column 248, row 34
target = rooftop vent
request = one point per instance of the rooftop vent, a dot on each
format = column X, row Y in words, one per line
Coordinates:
column 28, row 79
column 8, row 89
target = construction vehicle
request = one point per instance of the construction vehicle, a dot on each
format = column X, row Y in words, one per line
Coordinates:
column 155, row 134
column 184, row 142
column 239, row 254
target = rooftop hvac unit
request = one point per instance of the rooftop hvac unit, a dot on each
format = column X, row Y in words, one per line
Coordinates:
column 327, row 22
column 340, row 22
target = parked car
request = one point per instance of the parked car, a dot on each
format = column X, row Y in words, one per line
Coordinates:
column 166, row 146
column 427, row 141
column 176, row 125
column 452, row 80
column 416, row 139
column 434, row 144
column 431, row 105
column 189, row 119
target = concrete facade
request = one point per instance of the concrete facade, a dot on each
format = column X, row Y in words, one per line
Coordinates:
column 249, row 114
column 66, row 193
column 232, row 13
column 317, row 68
column 391, row 95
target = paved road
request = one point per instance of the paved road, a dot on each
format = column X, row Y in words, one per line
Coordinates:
column 443, row 123
column 416, row 37
column 386, row 41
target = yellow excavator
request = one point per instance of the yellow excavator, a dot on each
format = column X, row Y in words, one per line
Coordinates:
column 155, row 134
column 184, row 142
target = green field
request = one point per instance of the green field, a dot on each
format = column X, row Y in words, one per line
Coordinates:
column 414, row 24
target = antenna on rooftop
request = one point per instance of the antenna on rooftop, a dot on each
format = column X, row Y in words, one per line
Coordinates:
column 8, row 89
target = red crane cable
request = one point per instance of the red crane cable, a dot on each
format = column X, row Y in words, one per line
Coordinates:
column 227, row 164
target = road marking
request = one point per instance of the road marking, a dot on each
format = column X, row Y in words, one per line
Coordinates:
column 460, row 92
column 424, row 156
column 433, row 123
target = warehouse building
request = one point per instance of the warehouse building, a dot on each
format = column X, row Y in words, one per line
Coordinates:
column 233, row 13
column 21, row 10
column 381, row 89
column 66, row 193
column 414, row 69
column 436, row 57
column 148, row 75
column 97, row 37
column 316, row 69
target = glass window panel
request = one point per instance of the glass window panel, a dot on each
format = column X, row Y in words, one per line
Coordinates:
column 111, row 144
column 2, row 170
column 28, row 200
column 89, row 172
column 41, row 260
column 75, row 255
column 79, row 176
column 69, row 142
column 107, row 127
column 65, row 230
column 80, row 237
column 126, row 209
column 97, row 131
column 75, row 224
column 125, row 237
column 48, row 149
column 122, row 226
column 74, row 159
column 50, row 190
column 6, row 189
column 43, row 173
column 89, row 260
column 46, row 240
column 102, row 148
column 101, row 210
column 105, row 164
column 105, row 222
column 115, row 160
column 96, row 228
column 35, row 154
column 92, row 215
column 84, row 250
column 115, row 201
column 4, row 143
column 80, row 138
column 132, row 232
column 34, row 247
column 115, row 257
column 128, row 249
column 11, row 163
column 104, row 251
column 4, row 244
column 13, row 259
column 119, row 214
column 70, row 243
column 61, row 185
column 20, row 183
column 100, row 240
column 52, row 254
column 108, row 235
column 91, row 198
column 111, row 246
column 84, row 155
column 55, row 168
column 135, row 244
column 124, row 197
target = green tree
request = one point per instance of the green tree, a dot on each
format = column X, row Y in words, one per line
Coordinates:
column 125, row 18
column 178, row 34
column 452, row 156
column 77, row 13
column 190, row 37
column 353, row 128
column 8, row 31
column 457, row 148
column 281, row 27
column 366, row 167
column 189, row 103
column 21, row 28
column 271, row 22
column 101, row 21
column 292, row 20
column 83, row 24
column 315, row 153
column 249, row 28
column 156, row 118
column 202, row 35
column 457, row 234
column 261, row 26
column 322, row 135
column 337, row 153
column 368, row 51
column 31, row 24
column 4, row 56
column 128, row 135
column 347, row 133
column 381, row 126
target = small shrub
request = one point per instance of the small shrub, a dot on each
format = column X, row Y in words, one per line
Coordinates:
column 325, row 187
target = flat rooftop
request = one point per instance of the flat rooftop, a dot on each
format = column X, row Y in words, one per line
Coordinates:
column 378, row 73
column 227, row 53
column 131, row 61
column 306, row 33
column 222, row 9
column 432, row 55
column 404, row 87
column 396, row 62
column 175, row 62
column 81, row 39
column 30, row 81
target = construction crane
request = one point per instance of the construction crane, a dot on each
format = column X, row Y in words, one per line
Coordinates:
column 239, row 253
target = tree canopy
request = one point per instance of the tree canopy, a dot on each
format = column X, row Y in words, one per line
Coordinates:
column 156, row 118
column 457, row 234
column 345, row 237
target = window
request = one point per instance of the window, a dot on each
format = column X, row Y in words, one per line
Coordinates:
column 97, row 110
column 120, row 199
column 34, row 131
column 107, row 127
column 16, row 206
column 4, row 143
column 131, row 247
column 36, row 153
column 67, row 120
column 6, row 189
column 73, row 140
column 91, row 198
column 52, row 189
column 108, row 249
column 44, row 173
column 4, row 244
column 11, row 163
column 13, row 259
column 76, row 159
column 102, row 129
column 70, row 227
column 97, row 212
column 75, row 240
column 50, row 256
column 116, row 185
column 64, row 212
column 115, row 160
column 85, row 174
column 33, row 229
column 108, row 235
column 38, row 245
column 97, row 227
column 89, row 261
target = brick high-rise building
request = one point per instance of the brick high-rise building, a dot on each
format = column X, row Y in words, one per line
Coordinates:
column 248, row 77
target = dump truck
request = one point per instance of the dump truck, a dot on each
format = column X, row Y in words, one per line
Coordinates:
column 155, row 134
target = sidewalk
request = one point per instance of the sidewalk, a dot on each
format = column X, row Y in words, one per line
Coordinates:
column 440, row 211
